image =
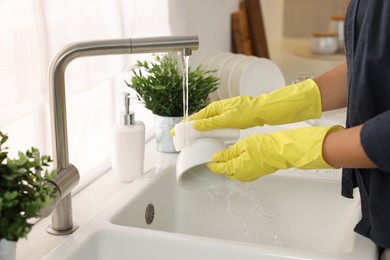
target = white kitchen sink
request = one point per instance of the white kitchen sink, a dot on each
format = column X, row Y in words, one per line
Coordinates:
column 280, row 216
column 277, row 210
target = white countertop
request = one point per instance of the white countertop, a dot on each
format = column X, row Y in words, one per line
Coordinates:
column 294, row 56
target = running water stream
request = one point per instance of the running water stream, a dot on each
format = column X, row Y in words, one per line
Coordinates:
column 253, row 218
column 185, row 68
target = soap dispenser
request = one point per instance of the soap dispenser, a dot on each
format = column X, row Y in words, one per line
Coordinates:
column 127, row 145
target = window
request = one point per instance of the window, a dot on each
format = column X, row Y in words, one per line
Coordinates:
column 32, row 32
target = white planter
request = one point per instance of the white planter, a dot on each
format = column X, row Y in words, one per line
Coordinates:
column 7, row 250
column 163, row 126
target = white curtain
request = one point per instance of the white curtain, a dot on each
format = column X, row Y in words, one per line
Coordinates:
column 32, row 31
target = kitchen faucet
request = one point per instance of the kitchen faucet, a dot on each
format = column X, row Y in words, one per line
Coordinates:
column 68, row 175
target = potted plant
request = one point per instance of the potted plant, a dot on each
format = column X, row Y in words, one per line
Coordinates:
column 24, row 191
column 159, row 85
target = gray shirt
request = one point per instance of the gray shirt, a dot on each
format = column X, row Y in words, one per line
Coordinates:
column 367, row 40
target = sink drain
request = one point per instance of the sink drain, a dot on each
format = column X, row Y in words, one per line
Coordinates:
column 149, row 214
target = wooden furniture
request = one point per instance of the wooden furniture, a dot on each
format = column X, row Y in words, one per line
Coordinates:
column 248, row 30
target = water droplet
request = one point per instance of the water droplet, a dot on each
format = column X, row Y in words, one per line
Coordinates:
column 254, row 219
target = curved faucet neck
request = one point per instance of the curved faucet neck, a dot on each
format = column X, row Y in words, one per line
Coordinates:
column 68, row 175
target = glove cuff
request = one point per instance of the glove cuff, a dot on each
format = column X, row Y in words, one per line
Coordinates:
column 293, row 103
column 314, row 156
column 299, row 148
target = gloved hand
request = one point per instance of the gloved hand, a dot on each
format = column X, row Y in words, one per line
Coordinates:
column 293, row 103
column 262, row 154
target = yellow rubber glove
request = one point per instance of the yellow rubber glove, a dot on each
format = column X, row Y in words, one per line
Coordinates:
column 293, row 103
column 262, row 154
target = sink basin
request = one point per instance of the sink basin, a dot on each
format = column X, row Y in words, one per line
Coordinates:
column 280, row 216
column 278, row 210
column 126, row 244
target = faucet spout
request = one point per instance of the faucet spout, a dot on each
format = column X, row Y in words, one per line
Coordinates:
column 68, row 175
column 186, row 52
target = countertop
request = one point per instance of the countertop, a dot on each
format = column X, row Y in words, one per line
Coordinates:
column 293, row 56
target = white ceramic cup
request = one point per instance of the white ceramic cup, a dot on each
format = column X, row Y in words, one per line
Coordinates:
column 192, row 172
column 196, row 150
column 185, row 133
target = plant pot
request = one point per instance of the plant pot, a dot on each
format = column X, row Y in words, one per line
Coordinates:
column 7, row 249
column 163, row 126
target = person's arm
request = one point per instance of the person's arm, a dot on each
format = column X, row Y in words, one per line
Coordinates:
column 333, row 88
column 344, row 149
column 341, row 148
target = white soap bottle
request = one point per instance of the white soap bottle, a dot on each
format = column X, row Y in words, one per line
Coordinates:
column 127, row 145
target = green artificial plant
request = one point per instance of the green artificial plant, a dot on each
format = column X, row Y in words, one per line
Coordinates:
column 159, row 85
column 24, row 190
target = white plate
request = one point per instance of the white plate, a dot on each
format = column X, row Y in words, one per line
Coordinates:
column 225, row 73
column 254, row 76
column 205, row 62
column 218, row 62
column 208, row 58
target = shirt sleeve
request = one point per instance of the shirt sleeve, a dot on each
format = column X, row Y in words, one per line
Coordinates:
column 375, row 139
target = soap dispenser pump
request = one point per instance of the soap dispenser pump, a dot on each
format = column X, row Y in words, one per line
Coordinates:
column 127, row 145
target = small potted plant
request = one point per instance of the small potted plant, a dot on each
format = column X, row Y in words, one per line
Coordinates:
column 159, row 85
column 24, row 191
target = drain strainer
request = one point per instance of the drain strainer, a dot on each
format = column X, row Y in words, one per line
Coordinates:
column 149, row 214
